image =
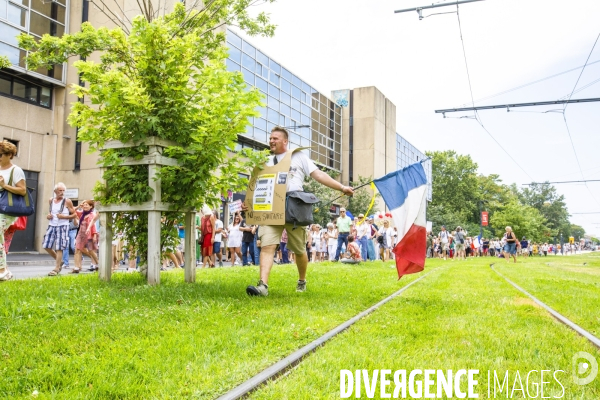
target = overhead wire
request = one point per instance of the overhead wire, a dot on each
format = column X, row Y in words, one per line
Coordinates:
column 476, row 115
column 531, row 83
column 567, row 124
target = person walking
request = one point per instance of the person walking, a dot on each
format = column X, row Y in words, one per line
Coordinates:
column 362, row 235
column 56, row 239
column 444, row 240
column 343, row 226
column 301, row 166
column 248, row 243
column 207, row 224
column 218, row 232
column 384, row 236
column 12, row 179
column 85, row 241
column 510, row 248
column 459, row 243
column 234, row 242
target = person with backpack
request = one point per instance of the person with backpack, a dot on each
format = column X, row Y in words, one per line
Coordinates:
column 444, row 241
column 56, row 239
column 459, row 246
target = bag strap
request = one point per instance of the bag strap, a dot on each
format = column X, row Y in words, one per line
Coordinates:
column 10, row 179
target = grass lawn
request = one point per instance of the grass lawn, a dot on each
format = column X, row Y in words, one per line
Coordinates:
column 563, row 283
column 464, row 316
column 75, row 337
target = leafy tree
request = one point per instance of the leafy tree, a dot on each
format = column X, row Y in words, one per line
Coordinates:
column 455, row 186
column 4, row 62
column 576, row 231
column 359, row 202
column 523, row 219
column 550, row 204
column 165, row 77
column 321, row 212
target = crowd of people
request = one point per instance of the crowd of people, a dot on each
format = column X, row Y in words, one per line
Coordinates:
column 457, row 244
column 345, row 239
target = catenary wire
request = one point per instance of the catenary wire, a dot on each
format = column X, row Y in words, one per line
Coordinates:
column 531, row 83
column 582, row 69
column 473, row 101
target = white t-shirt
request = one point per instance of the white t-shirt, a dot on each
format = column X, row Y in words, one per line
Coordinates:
column 300, row 167
column 363, row 229
column 18, row 175
column 332, row 241
column 218, row 225
column 444, row 236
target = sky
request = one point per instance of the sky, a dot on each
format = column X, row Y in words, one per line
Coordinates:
column 419, row 65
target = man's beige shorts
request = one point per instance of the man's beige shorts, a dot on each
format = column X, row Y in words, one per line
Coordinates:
column 271, row 234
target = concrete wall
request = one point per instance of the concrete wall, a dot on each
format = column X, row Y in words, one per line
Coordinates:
column 374, row 136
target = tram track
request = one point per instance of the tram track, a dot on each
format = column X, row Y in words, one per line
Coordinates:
column 284, row 366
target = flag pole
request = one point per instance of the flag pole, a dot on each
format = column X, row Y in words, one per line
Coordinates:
column 368, row 183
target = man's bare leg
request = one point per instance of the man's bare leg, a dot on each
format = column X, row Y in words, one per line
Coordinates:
column 266, row 262
column 302, row 264
column 52, row 253
column 58, row 259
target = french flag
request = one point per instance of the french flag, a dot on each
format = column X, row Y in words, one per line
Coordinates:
column 405, row 194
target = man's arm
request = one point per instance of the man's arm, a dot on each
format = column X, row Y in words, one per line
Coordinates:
column 328, row 181
column 72, row 214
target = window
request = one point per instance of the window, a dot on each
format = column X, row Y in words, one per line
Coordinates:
column 235, row 54
column 37, row 18
column 27, row 91
column 248, row 62
column 248, row 49
column 261, row 58
column 275, row 67
column 234, row 40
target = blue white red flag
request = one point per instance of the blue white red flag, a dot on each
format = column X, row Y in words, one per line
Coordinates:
column 405, row 194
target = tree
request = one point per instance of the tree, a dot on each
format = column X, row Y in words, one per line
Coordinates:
column 523, row 219
column 359, row 202
column 4, row 62
column 552, row 206
column 321, row 213
column 577, row 231
column 164, row 77
column 455, row 186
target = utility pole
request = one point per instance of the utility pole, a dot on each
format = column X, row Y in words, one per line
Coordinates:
column 419, row 10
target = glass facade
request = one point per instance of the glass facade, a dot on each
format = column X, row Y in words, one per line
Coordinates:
column 35, row 17
column 407, row 154
column 289, row 102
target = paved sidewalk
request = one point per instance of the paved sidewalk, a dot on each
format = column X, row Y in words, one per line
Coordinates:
column 32, row 265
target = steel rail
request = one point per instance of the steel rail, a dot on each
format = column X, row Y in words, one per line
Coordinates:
column 593, row 339
column 296, row 357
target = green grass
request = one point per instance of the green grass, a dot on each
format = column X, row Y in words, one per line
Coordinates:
column 77, row 337
column 563, row 283
column 461, row 316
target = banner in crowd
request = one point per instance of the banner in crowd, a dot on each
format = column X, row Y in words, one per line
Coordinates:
column 405, row 194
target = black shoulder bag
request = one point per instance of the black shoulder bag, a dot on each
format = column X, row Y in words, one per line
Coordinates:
column 299, row 208
column 14, row 204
